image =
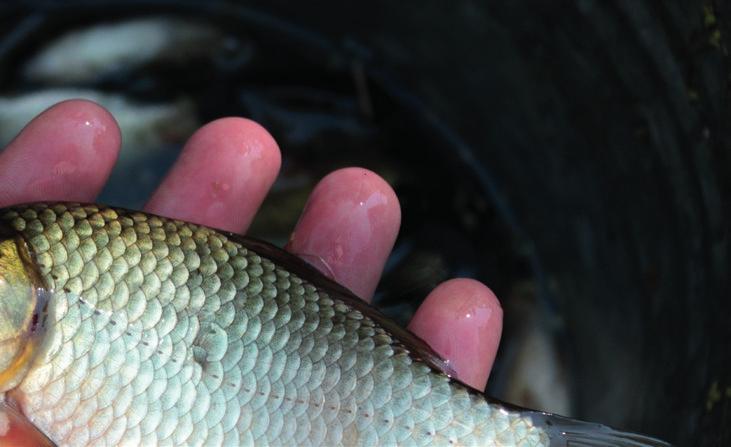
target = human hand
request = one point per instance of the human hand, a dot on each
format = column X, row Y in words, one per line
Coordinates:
column 347, row 228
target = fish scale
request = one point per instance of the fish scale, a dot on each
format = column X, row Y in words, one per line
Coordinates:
column 164, row 332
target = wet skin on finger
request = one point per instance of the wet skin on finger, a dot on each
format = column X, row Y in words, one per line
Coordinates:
column 224, row 172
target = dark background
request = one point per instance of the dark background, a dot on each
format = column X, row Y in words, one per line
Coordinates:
column 599, row 131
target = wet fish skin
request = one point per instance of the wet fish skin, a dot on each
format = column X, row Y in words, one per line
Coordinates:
column 160, row 331
column 155, row 331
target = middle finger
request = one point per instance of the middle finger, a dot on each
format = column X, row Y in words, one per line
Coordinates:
column 221, row 177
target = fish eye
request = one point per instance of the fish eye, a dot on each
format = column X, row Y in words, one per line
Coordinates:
column 20, row 304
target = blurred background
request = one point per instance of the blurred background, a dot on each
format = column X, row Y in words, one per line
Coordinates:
column 573, row 155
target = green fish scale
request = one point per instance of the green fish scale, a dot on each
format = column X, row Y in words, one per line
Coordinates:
column 161, row 332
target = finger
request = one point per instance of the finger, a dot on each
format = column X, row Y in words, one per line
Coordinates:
column 462, row 320
column 65, row 153
column 17, row 431
column 221, row 176
column 348, row 228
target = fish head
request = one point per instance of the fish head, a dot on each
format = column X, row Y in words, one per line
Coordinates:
column 21, row 305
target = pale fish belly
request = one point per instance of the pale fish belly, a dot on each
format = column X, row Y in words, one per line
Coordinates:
column 160, row 332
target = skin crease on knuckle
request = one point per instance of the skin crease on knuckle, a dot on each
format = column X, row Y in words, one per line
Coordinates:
column 346, row 230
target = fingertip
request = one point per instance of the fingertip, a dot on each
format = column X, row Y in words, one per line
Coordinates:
column 361, row 185
column 95, row 120
column 80, row 123
column 65, row 153
column 461, row 320
column 249, row 138
column 348, row 228
column 92, row 126
column 222, row 175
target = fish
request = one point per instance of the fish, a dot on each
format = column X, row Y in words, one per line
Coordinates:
column 534, row 372
column 119, row 327
column 91, row 53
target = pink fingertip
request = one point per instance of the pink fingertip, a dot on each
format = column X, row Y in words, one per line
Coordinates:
column 65, row 153
column 462, row 321
column 221, row 177
column 348, row 228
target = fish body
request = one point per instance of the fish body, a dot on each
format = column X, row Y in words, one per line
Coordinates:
column 142, row 330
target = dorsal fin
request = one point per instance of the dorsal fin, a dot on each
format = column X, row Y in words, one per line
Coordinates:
column 418, row 348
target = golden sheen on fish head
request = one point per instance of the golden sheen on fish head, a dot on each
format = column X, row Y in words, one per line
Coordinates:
column 20, row 304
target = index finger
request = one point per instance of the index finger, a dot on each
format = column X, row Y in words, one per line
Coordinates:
column 65, row 153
